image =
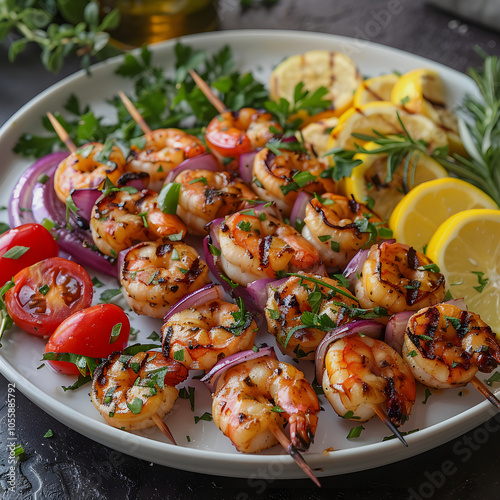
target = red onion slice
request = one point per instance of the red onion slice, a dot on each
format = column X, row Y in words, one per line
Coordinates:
column 353, row 269
column 299, row 207
column 22, row 195
column 258, row 290
column 137, row 180
column 202, row 296
column 85, row 199
column 396, row 328
column 213, row 376
column 366, row 327
column 205, row 161
column 246, row 166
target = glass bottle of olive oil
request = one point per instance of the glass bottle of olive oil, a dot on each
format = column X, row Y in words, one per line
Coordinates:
column 150, row 21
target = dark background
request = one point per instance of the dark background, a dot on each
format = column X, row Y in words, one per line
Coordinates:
column 70, row 466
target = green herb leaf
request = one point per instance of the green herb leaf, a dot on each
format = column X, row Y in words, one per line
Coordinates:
column 355, row 432
column 206, row 416
column 15, row 252
column 169, row 197
column 136, row 406
column 115, row 333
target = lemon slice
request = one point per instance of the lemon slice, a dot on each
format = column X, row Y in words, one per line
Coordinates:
column 367, row 181
column 317, row 68
column 466, row 247
column 418, row 215
column 422, row 91
column 316, row 137
column 374, row 89
column 383, row 117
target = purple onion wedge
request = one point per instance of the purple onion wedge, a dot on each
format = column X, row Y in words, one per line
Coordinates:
column 202, row 296
column 213, row 376
column 205, row 161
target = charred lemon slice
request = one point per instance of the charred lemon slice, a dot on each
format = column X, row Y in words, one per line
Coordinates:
column 316, row 137
column 382, row 117
column 317, row 68
column 369, row 184
column 375, row 89
column 422, row 91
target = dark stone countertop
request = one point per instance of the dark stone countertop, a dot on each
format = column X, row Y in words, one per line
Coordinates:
column 70, row 466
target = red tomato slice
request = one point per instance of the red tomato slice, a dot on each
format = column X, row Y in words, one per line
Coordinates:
column 25, row 245
column 95, row 332
column 46, row 293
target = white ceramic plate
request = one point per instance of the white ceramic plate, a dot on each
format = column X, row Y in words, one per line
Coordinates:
column 446, row 414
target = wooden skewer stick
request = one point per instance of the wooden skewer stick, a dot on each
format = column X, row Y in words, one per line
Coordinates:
column 134, row 113
column 63, row 135
column 285, row 442
column 207, row 91
column 163, row 427
column 486, row 392
column 380, row 413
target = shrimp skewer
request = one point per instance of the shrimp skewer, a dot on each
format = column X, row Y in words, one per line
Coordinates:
column 361, row 374
column 206, row 196
column 233, row 133
column 157, row 274
column 260, row 246
column 398, row 278
column 252, row 401
column 84, row 168
column 287, row 302
column 338, row 227
column 164, row 149
column 200, row 336
column 136, row 392
column 446, row 346
column 121, row 219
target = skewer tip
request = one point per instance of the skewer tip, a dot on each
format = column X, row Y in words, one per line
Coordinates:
column 389, row 424
column 486, row 392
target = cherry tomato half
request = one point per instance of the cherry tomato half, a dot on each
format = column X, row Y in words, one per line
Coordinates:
column 24, row 245
column 95, row 332
column 46, row 293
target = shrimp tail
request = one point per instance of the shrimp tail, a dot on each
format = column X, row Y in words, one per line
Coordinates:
column 301, row 436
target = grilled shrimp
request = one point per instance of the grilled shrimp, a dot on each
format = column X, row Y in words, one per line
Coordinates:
column 278, row 178
column 207, row 195
column 361, row 373
column 338, row 227
column 121, row 219
column 254, row 247
column 129, row 390
column 287, row 302
column 446, row 346
column 234, row 133
column 200, row 336
column 86, row 169
column 164, row 149
column 256, row 396
column 157, row 274
column 398, row 278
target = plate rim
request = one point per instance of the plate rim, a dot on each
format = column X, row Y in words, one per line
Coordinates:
column 98, row 431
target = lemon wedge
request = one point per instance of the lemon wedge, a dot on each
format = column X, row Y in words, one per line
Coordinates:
column 367, row 181
column 466, row 247
column 383, row 117
column 317, row 68
column 422, row 91
column 374, row 89
column 418, row 215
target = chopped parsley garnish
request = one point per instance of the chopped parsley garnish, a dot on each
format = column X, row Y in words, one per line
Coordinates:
column 350, row 415
column 355, row 432
column 154, row 337
column 179, row 355
column 44, row 290
column 199, row 179
column 187, row 394
column 169, row 197
column 115, row 333
column 482, row 281
column 428, row 394
column 245, row 226
column 136, row 406
column 494, row 378
column 97, row 282
column 48, row 434
column 300, row 179
column 15, row 252
column 206, row 416
column 107, row 295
